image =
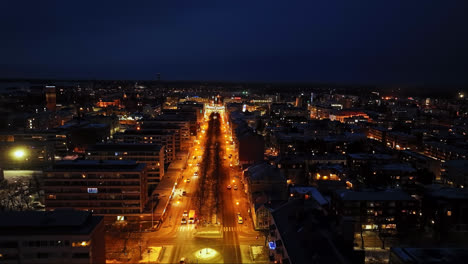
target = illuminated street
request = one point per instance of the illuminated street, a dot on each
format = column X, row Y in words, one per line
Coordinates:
column 216, row 236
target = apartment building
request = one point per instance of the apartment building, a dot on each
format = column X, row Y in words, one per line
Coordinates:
column 149, row 136
column 150, row 154
column 113, row 188
column 61, row 236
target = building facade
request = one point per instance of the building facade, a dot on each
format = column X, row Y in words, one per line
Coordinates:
column 62, row 236
column 117, row 189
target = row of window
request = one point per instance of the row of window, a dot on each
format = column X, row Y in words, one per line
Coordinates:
column 44, row 243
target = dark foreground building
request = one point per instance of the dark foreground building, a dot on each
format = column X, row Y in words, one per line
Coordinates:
column 62, row 236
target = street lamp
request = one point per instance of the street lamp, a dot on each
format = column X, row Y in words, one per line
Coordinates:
column 19, row 153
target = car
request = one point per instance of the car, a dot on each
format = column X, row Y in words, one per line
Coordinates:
column 183, row 221
column 196, row 173
column 235, row 187
column 194, row 157
column 240, row 220
column 184, row 193
column 229, row 187
column 186, row 213
column 238, row 214
column 187, row 180
column 182, row 261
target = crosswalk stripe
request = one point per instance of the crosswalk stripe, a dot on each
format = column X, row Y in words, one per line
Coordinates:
column 231, row 228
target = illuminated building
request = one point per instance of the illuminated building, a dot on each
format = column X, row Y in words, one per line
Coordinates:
column 377, row 133
column 110, row 188
column 391, row 210
column 105, row 104
column 149, row 136
column 342, row 116
column 51, row 98
column 150, row 154
column 400, row 141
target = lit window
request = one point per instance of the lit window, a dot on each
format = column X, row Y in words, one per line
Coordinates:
column 449, row 213
column 81, row 243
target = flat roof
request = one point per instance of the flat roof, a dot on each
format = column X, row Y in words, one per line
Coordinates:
column 124, row 147
column 404, row 167
column 63, row 221
column 98, row 165
column 387, row 195
column 364, row 156
column 431, row 255
column 144, row 132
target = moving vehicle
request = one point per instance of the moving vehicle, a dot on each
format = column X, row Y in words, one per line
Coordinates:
column 239, row 219
column 235, row 187
column 184, row 193
column 182, row 261
column 229, row 187
column 183, row 221
column 191, row 217
column 187, row 180
column 185, row 213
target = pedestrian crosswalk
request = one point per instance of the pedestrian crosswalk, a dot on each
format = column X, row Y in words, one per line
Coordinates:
column 231, row 229
column 184, row 228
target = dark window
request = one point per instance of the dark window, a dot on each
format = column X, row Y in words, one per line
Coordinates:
column 80, row 255
column 42, row 255
column 8, row 244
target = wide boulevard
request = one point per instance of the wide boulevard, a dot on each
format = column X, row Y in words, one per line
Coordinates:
column 211, row 184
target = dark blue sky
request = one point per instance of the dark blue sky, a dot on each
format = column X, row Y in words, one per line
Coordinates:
column 411, row 42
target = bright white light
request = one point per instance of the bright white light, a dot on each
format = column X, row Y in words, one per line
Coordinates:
column 19, row 153
column 206, row 253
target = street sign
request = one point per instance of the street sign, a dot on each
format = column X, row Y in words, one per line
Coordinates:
column 272, row 245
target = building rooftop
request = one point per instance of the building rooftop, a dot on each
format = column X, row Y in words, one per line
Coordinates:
column 387, row 195
column 98, row 165
column 48, row 222
column 312, row 191
column 302, row 236
column 439, row 191
column 264, row 172
column 125, row 147
column 402, row 167
column 431, row 255
column 144, row 132
column 368, row 156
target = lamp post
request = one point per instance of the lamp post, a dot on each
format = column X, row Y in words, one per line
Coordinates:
column 152, row 212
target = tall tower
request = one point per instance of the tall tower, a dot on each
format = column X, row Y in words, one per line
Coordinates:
column 51, row 98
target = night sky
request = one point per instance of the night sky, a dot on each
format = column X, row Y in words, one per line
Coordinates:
column 357, row 41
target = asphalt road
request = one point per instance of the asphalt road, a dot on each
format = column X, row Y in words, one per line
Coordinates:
column 216, row 206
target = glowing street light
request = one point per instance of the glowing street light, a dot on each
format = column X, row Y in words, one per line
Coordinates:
column 19, row 153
